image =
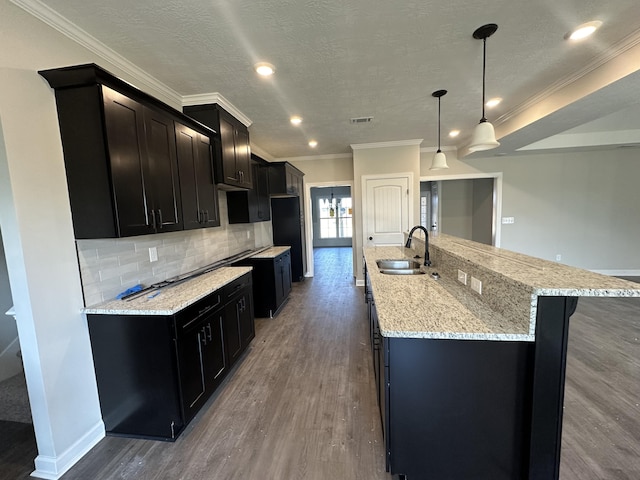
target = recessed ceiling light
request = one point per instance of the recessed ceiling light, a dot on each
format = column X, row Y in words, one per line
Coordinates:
column 583, row 31
column 454, row 133
column 313, row 143
column 493, row 102
column 265, row 69
column 296, row 120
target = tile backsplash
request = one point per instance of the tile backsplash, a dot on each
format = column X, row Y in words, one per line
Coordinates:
column 110, row 266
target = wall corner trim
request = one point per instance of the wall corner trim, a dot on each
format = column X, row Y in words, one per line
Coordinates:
column 52, row 468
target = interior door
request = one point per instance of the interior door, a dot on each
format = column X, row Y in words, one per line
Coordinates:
column 385, row 210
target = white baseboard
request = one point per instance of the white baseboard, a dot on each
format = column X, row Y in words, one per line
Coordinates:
column 52, row 468
column 619, row 273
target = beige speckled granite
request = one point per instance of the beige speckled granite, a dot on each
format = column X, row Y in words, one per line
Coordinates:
column 271, row 252
column 173, row 298
column 419, row 307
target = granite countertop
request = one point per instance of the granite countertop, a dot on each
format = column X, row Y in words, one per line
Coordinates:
column 271, row 252
column 173, row 298
column 545, row 278
column 418, row 306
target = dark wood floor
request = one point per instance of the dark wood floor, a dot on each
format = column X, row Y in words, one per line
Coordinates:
column 301, row 405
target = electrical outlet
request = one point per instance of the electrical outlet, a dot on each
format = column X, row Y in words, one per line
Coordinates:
column 558, row 257
column 508, row 220
column 462, row 277
column 153, row 254
column 248, row 234
column 476, row 285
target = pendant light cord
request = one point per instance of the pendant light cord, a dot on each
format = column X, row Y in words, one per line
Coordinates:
column 484, row 67
column 439, row 98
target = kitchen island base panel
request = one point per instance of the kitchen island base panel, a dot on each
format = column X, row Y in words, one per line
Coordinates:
column 458, row 409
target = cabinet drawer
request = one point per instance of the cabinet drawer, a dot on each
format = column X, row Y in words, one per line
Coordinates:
column 235, row 287
column 202, row 307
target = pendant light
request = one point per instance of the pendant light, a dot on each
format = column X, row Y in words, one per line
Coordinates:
column 484, row 136
column 439, row 160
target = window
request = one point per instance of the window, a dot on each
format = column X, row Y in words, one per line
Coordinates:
column 335, row 217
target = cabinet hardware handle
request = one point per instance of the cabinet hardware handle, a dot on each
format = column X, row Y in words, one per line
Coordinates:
column 160, row 218
column 203, row 338
column 206, row 214
column 210, row 334
column 213, row 180
column 153, row 219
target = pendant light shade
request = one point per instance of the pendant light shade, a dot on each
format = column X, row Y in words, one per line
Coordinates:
column 484, row 135
column 439, row 160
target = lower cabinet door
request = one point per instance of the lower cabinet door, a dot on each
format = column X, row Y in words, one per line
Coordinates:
column 215, row 364
column 192, row 373
column 232, row 335
column 246, row 319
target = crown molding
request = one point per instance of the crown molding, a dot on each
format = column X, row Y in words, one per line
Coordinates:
column 629, row 42
column 56, row 21
column 262, row 153
column 329, row 156
column 215, row 97
column 397, row 143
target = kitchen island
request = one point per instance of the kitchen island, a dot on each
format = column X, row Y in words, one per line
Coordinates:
column 471, row 384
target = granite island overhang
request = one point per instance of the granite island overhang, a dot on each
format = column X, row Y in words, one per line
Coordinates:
column 471, row 385
column 417, row 306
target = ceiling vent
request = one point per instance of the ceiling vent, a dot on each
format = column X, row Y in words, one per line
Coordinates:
column 358, row 120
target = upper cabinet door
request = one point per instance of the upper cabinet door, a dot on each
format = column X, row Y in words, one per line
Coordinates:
column 162, row 171
column 232, row 150
column 124, row 124
column 243, row 156
column 230, row 170
column 199, row 193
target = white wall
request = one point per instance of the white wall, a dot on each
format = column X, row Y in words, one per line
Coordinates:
column 380, row 160
column 456, row 208
column 581, row 205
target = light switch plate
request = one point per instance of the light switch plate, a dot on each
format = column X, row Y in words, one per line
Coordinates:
column 153, row 254
column 462, row 277
column 476, row 285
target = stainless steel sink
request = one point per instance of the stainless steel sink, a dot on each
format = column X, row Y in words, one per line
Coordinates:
column 399, row 267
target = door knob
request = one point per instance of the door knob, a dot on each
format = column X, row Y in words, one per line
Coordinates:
column 370, row 238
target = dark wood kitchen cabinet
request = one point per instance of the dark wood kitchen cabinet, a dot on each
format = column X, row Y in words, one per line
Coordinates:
column 272, row 282
column 233, row 166
column 285, row 179
column 120, row 154
column 199, row 193
column 154, row 372
column 253, row 205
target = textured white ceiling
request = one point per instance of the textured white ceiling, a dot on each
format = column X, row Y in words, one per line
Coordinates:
column 338, row 59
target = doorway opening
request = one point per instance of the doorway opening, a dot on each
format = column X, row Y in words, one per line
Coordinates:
column 465, row 206
column 329, row 220
column 332, row 216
